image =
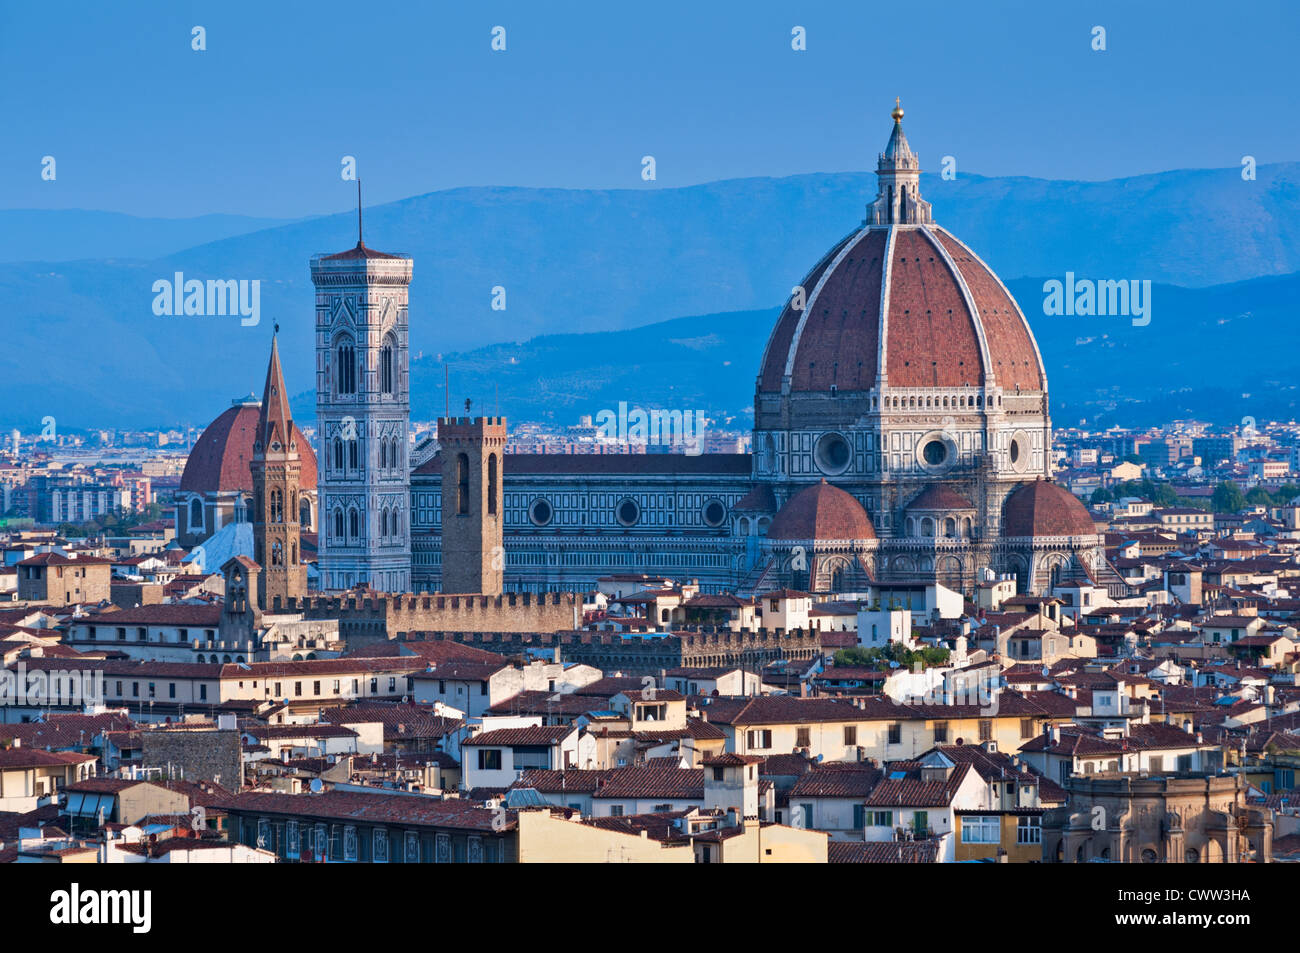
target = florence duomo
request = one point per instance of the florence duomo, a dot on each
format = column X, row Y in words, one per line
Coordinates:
column 657, row 464
column 901, row 434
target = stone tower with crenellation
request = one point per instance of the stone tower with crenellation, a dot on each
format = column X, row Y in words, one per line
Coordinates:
column 472, row 453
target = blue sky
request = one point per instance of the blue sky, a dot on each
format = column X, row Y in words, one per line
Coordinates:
column 257, row 124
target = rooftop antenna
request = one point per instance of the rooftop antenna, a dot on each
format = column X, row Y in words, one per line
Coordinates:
column 446, row 388
column 360, row 242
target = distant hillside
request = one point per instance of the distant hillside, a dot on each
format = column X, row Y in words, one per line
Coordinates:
column 72, row 234
column 1213, row 353
column 82, row 343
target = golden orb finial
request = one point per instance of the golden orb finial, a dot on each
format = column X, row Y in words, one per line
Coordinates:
column 897, row 112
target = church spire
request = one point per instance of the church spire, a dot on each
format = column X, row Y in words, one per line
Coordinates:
column 274, row 422
column 361, row 242
column 898, row 199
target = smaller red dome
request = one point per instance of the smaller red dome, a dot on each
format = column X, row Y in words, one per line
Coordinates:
column 219, row 460
column 940, row 497
column 1043, row 508
column 821, row 511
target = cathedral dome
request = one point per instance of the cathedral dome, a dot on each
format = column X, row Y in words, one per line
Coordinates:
column 220, row 458
column 940, row 497
column 824, row 512
column 1043, row 508
column 900, row 302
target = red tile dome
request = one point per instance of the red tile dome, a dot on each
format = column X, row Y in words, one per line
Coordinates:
column 904, row 300
column 1043, row 508
column 821, row 511
column 940, row 497
column 220, row 458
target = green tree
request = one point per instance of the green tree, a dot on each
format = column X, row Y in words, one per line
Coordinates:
column 1164, row 495
column 1258, row 496
column 1101, row 495
column 1228, row 498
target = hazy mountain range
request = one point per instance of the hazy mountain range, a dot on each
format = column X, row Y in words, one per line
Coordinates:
column 597, row 281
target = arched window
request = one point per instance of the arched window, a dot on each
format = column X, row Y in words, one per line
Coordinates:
column 383, row 454
column 277, row 554
column 345, row 366
column 304, row 513
column 338, row 454
column 383, row 523
column 462, row 483
column 950, row 527
column 338, row 524
column 353, row 454
column 395, row 455
column 277, row 506
column 293, row 559
column 386, row 368
column 196, row 513
column 354, row 524
column 492, row 484
column 927, row 527
column 397, row 522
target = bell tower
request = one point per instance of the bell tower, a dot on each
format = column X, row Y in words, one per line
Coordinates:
column 472, row 454
column 363, row 411
column 276, row 467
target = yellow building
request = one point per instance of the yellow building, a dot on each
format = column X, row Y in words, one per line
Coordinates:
column 675, row 837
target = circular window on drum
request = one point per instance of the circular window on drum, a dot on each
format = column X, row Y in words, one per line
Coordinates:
column 628, row 513
column 1018, row 451
column 540, row 512
column 833, row 453
column 934, row 452
column 715, row 513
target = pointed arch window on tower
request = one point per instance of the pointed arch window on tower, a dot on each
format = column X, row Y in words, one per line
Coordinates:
column 354, row 454
column 383, row 454
column 383, row 523
column 338, row 524
column 354, row 525
column 345, row 366
column 277, row 506
column 386, row 369
column 277, row 554
column 196, row 514
column 462, row 483
column 492, row 484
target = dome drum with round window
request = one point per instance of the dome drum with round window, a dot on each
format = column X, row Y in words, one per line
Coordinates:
column 628, row 512
column 540, row 512
column 833, row 453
